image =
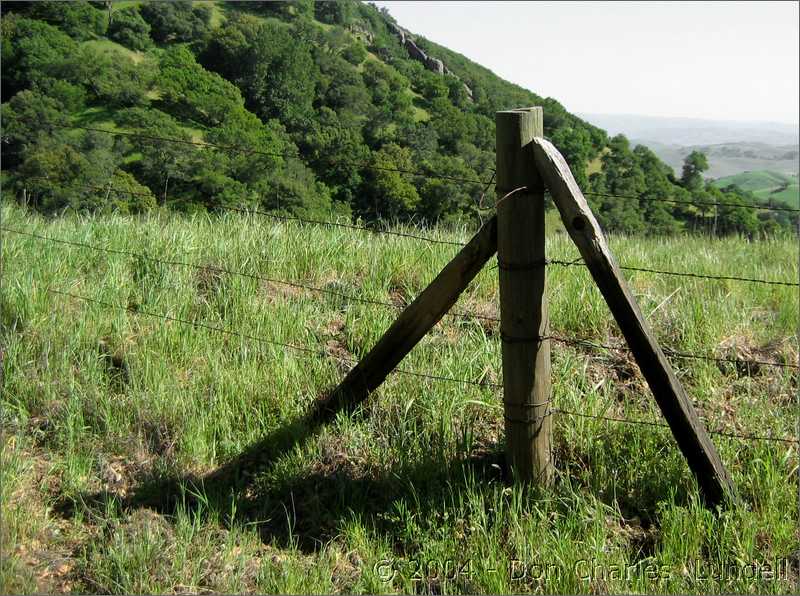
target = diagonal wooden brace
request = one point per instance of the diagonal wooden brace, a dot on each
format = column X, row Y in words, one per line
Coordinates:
column 694, row 442
column 414, row 322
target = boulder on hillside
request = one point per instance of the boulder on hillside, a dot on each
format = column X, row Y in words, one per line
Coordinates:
column 435, row 65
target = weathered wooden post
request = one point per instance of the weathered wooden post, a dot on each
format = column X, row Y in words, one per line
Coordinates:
column 715, row 483
column 523, row 302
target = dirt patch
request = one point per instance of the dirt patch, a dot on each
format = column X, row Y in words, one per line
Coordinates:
column 616, row 365
column 277, row 292
column 749, row 358
column 208, row 279
column 115, row 362
column 398, row 298
column 485, row 313
column 159, row 437
column 335, row 458
column 43, row 555
column 640, row 536
column 335, row 345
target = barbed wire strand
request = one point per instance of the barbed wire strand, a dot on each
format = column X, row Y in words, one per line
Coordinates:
column 459, row 314
column 749, row 437
column 342, row 225
column 642, row 197
column 685, row 274
column 281, row 217
column 428, row 239
column 670, row 352
column 321, row 351
column 225, row 331
column 466, row 315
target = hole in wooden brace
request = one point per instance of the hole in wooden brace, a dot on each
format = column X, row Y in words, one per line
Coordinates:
column 578, row 222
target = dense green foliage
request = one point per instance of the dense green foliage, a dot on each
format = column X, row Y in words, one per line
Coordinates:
column 326, row 101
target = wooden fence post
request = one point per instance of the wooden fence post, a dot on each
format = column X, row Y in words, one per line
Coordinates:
column 523, row 302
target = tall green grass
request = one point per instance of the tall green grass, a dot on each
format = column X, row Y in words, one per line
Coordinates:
column 101, row 405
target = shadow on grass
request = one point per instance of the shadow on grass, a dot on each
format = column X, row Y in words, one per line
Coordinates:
column 307, row 509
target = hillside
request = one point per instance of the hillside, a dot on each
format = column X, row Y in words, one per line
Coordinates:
column 304, row 108
column 766, row 185
column 124, row 397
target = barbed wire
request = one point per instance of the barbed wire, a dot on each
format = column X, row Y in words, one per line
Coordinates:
column 279, row 217
column 321, row 351
column 342, row 225
column 225, row 331
column 439, row 241
column 645, row 198
column 748, row 437
column 670, row 352
column 458, row 314
column 466, row 315
column 685, row 274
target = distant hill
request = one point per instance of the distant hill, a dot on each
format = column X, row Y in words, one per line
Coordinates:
column 727, row 159
column 731, row 147
column 766, row 185
column 695, row 131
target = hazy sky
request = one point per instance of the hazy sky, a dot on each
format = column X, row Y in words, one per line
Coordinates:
column 719, row 60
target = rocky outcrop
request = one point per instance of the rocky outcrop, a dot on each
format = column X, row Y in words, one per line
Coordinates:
column 435, row 65
column 361, row 33
column 415, row 52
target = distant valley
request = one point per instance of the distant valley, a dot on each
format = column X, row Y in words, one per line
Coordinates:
column 731, row 147
column 728, row 159
column 760, row 157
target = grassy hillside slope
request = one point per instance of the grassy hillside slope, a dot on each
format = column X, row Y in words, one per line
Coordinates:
column 112, row 417
column 766, row 185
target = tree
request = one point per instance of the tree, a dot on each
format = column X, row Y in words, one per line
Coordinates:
column 279, row 76
column 72, row 97
column 130, row 29
column 623, row 178
column 109, row 75
column 128, row 195
column 78, row 19
column 341, row 12
column 62, row 172
column 446, row 200
column 31, row 50
column 337, row 153
column 164, row 167
column 193, row 91
column 286, row 10
column 268, row 141
column 388, row 193
column 693, row 167
column 27, row 117
column 355, row 53
column 177, row 20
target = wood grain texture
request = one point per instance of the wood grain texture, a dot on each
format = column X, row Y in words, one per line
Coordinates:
column 688, row 430
column 414, row 322
column 523, row 298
